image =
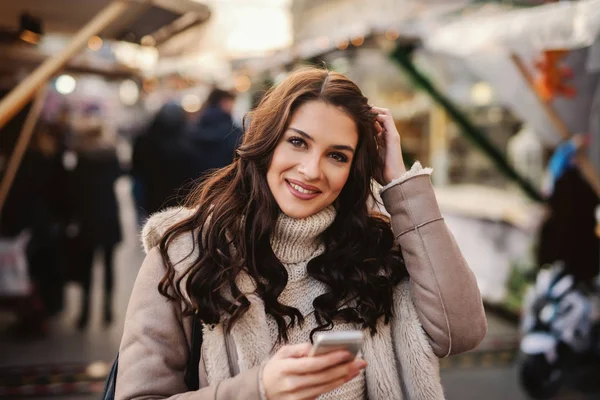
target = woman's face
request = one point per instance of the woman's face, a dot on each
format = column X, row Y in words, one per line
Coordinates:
column 312, row 162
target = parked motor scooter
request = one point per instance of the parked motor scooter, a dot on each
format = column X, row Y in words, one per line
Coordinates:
column 560, row 331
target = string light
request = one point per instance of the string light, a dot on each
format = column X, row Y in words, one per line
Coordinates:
column 392, row 34
column 191, row 103
column 65, row 84
column 29, row 37
column 482, row 93
column 129, row 92
column 242, row 83
column 95, row 43
column 358, row 41
column 343, row 45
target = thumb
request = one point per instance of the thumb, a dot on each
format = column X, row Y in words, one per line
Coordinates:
column 294, row 351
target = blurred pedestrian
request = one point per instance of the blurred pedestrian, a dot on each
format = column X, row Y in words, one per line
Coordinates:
column 95, row 214
column 164, row 161
column 37, row 203
column 280, row 245
column 214, row 133
column 568, row 233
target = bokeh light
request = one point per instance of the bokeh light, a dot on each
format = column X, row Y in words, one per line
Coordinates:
column 65, row 84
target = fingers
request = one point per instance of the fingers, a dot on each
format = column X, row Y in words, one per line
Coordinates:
column 383, row 115
column 314, row 392
column 306, row 386
column 385, row 118
column 380, row 110
column 378, row 128
column 308, row 365
column 329, row 375
column 390, row 134
column 293, row 351
column 291, row 373
column 380, row 133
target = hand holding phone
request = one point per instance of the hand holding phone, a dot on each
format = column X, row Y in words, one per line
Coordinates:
column 291, row 373
column 326, row 342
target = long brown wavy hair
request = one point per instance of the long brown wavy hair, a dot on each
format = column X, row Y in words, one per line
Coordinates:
column 234, row 209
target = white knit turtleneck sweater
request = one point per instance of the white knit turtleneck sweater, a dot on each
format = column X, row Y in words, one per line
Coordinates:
column 295, row 242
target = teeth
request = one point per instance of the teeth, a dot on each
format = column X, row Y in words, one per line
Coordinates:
column 301, row 189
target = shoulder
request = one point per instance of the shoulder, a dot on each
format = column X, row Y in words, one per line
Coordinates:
column 181, row 251
column 158, row 223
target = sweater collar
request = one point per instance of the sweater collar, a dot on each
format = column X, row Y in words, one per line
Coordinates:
column 297, row 240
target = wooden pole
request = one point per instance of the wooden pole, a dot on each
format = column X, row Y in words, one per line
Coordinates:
column 584, row 164
column 24, row 91
column 21, row 146
column 438, row 144
column 556, row 120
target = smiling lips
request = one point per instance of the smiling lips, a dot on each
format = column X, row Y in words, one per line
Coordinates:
column 301, row 190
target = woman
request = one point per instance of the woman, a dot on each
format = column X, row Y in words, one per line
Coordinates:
column 281, row 245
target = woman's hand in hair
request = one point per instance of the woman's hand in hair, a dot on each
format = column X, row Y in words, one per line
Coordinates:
column 388, row 141
column 290, row 374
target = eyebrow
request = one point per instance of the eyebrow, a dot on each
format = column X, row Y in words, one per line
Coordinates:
column 335, row 146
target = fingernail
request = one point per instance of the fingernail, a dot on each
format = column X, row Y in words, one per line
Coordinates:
column 362, row 364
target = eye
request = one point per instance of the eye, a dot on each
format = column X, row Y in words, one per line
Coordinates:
column 339, row 157
column 297, row 142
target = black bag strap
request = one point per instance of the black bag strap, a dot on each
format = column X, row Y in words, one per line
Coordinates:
column 191, row 372
column 111, row 381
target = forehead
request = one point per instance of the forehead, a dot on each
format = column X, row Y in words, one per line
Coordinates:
column 325, row 122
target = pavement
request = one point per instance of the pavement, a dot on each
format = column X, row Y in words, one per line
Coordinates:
column 70, row 364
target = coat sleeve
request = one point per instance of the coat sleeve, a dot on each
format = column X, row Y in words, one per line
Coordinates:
column 444, row 289
column 154, row 348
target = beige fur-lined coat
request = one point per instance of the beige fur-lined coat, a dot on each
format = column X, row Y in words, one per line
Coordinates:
column 437, row 314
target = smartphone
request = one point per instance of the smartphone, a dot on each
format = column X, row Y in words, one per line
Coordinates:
column 326, row 342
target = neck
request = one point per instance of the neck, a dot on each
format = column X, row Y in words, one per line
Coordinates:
column 296, row 240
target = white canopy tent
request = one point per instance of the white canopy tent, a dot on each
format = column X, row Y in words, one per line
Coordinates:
column 484, row 41
column 562, row 25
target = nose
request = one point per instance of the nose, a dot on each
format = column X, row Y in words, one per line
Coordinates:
column 310, row 168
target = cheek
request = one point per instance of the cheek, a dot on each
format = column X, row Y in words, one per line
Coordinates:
column 337, row 179
column 279, row 163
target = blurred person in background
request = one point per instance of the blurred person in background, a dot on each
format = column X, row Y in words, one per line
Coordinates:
column 95, row 212
column 214, row 134
column 164, row 161
column 281, row 245
column 568, row 233
column 37, row 202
